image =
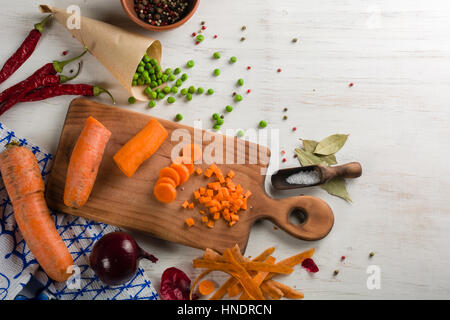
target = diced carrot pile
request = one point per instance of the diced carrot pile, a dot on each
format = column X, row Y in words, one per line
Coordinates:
column 221, row 198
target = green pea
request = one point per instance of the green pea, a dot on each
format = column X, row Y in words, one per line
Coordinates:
column 152, row 104
column 141, row 69
column 174, row 89
column 157, row 68
column 166, row 89
column 179, row 83
column 151, row 70
column 190, row 63
column 153, row 84
column 168, row 71
column 216, row 72
column 171, row 77
column 216, row 55
column 148, row 67
column 191, row 89
column 136, row 76
column 240, row 82
column 189, row 96
column 159, row 75
column 131, row 100
column 177, row 71
column 159, row 82
column 140, row 82
column 154, row 95
column 148, row 90
column 210, row 91
column 240, row 133
column 153, row 62
column 179, row 117
column 229, row 108
column 158, row 90
column 164, row 78
column 220, row 121
column 216, row 127
column 184, row 77
column 134, row 83
column 184, row 92
column 233, row 59
column 161, row 95
column 237, row 98
column 262, row 124
column 141, row 64
column 215, row 116
column 170, row 99
column 200, row 38
column 153, row 77
column 200, row 90
column 146, row 58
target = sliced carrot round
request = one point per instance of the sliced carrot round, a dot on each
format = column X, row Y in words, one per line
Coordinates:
column 193, row 151
column 187, row 162
column 170, row 173
column 183, row 172
column 206, row 287
column 165, row 192
column 166, row 180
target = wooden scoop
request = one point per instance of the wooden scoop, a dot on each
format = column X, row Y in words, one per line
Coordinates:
column 324, row 174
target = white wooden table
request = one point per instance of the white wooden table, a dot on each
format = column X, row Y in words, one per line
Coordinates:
column 397, row 54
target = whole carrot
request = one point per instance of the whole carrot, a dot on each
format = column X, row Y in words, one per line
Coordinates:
column 84, row 163
column 24, row 52
column 49, row 69
column 85, row 90
column 22, row 178
column 140, row 147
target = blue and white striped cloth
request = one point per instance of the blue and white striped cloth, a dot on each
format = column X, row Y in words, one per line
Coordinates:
column 20, row 275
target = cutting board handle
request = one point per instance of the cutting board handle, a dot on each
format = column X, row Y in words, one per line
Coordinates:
column 315, row 217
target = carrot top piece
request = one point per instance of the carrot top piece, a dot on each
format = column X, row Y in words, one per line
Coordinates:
column 192, row 151
column 141, row 147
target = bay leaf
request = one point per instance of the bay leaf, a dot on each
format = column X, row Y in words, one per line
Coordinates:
column 337, row 187
column 308, row 158
column 331, row 144
column 310, row 146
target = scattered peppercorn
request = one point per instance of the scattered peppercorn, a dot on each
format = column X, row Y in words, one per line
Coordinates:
column 203, row 27
column 243, row 39
column 215, row 36
column 343, row 258
column 161, row 12
column 243, row 28
column 350, row 84
column 371, row 254
column 285, row 109
column 336, row 272
column 284, row 159
column 294, row 40
column 294, row 129
column 202, row 23
column 248, row 91
column 285, row 117
column 194, row 34
column 279, row 70
column 248, row 67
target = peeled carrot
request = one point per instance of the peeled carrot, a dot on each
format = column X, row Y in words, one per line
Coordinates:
column 192, row 151
column 165, row 192
column 170, row 173
column 23, row 182
column 84, row 163
column 141, row 147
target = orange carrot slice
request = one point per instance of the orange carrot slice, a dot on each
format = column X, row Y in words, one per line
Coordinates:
column 165, row 192
column 84, row 163
column 141, row 147
column 187, row 162
column 170, row 173
column 183, row 172
column 166, row 180
column 192, row 151
column 206, row 287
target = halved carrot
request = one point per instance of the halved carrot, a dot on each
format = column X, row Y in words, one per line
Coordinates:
column 165, row 192
column 170, row 173
column 192, row 151
column 183, row 172
column 166, row 180
column 141, row 147
column 84, row 163
column 23, row 182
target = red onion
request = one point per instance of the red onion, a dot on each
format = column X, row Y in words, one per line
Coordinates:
column 175, row 285
column 115, row 258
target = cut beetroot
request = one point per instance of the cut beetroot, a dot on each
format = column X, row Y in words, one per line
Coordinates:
column 310, row 265
column 175, row 285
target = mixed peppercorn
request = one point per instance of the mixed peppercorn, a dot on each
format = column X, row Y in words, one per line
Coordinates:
column 161, row 12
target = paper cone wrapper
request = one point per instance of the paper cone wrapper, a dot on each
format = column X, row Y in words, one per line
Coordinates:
column 118, row 50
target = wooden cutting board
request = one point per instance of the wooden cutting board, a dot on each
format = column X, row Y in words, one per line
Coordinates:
column 129, row 202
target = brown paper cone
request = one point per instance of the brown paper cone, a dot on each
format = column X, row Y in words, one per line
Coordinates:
column 118, row 50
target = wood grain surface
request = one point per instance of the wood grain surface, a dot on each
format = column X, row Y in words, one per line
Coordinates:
column 128, row 202
column 397, row 55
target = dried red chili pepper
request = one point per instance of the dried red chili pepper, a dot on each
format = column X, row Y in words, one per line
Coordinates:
column 49, row 69
column 24, row 52
column 65, row 89
column 34, row 83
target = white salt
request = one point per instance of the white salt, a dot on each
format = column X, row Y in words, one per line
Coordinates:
column 304, row 177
